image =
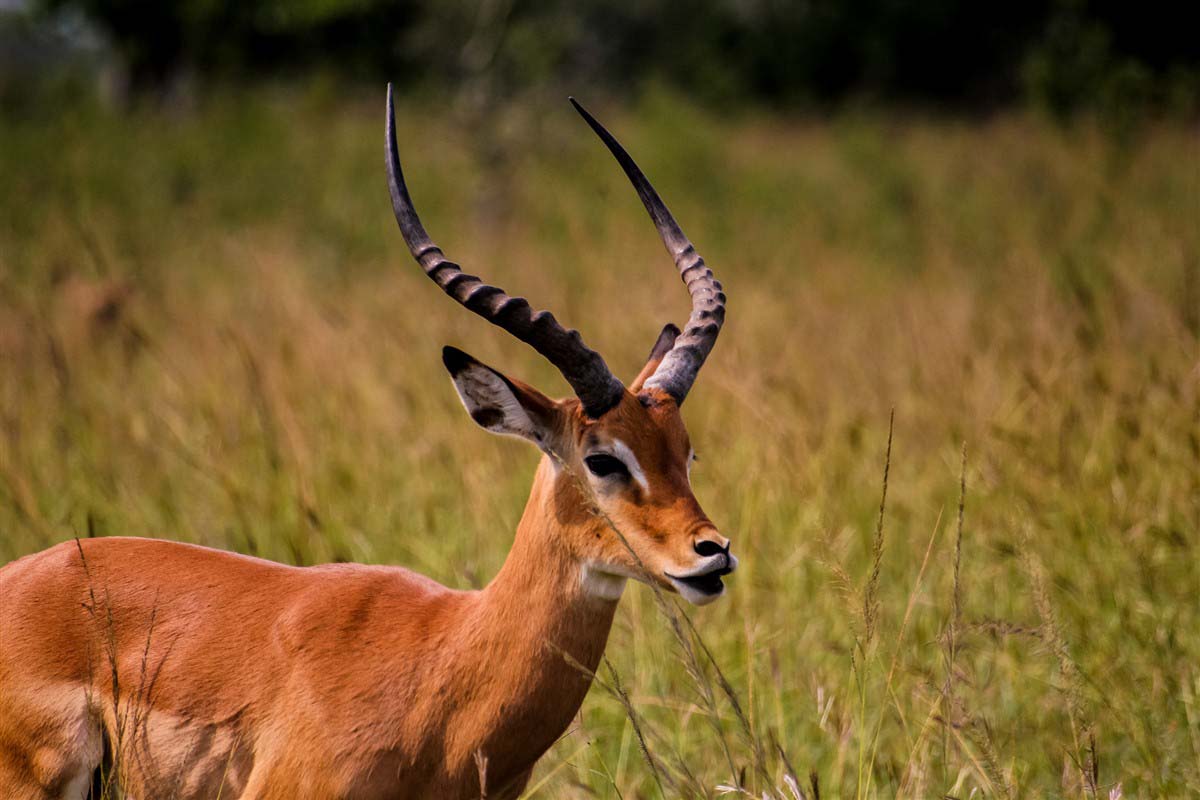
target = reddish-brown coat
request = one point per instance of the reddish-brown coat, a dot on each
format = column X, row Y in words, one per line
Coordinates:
column 260, row 680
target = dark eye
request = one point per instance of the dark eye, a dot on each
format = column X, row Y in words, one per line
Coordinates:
column 602, row 465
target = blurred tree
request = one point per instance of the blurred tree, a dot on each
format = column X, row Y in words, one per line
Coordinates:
column 158, row 41
column 1114, row 56
column 1060, row 53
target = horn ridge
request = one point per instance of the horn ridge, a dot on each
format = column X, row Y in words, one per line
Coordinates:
column 584, row 369
column 678, row 370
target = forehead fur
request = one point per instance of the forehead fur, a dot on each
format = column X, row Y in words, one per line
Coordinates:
column 648, row 423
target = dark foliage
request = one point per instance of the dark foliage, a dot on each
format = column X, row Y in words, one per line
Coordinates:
column 1061, row 54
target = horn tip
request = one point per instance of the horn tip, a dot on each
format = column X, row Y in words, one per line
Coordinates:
column 583, row 112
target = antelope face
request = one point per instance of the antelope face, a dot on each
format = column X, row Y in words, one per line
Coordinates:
column 627, row 469
column 637, row 461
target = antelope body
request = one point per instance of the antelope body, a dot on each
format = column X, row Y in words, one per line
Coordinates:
column 206, row 674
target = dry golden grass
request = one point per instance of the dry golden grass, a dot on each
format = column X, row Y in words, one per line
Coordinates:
column 209, row 331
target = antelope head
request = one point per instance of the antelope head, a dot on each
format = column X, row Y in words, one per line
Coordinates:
column 619, row 456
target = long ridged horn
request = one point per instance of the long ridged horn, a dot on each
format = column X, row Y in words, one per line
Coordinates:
column 678, row 369
column 598, row 390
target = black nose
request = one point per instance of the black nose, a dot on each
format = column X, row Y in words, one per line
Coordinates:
column 706, row 548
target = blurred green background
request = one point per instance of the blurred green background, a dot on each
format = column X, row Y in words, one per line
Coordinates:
column 982, row 218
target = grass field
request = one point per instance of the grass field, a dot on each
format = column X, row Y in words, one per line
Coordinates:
column 210, row 331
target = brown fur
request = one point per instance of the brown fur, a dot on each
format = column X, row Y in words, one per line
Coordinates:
column 213, row 672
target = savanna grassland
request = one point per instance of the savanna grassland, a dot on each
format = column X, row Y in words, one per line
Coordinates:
column 210, row 331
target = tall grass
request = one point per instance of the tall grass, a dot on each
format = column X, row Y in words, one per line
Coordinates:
column 209, row 331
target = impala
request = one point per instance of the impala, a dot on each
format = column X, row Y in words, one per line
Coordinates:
column 208, row 674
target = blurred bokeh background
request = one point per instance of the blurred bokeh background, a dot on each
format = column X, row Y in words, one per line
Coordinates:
column 980, row 217
column 1058, row 55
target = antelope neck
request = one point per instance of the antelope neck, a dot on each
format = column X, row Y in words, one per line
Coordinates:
column 538, row 592
column 524, row 622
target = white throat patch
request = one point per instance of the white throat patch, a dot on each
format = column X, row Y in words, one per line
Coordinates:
column 601, row 585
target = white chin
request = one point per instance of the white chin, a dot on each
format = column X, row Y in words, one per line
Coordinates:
column 695, row 596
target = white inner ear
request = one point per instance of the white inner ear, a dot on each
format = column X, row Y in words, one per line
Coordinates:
column 492, row 404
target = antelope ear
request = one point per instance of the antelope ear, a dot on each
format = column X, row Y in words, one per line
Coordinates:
column 666, row 340
column 500, row 404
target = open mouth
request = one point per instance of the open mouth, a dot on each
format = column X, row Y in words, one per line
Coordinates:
column 708, row 583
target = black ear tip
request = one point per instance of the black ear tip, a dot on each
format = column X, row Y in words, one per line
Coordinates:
column 666, row 339
column 664, row 343
column 455, row 360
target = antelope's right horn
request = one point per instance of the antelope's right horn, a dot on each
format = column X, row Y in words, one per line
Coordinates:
column 678, row 370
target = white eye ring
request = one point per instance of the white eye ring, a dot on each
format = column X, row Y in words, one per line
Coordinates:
column 622, row 451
